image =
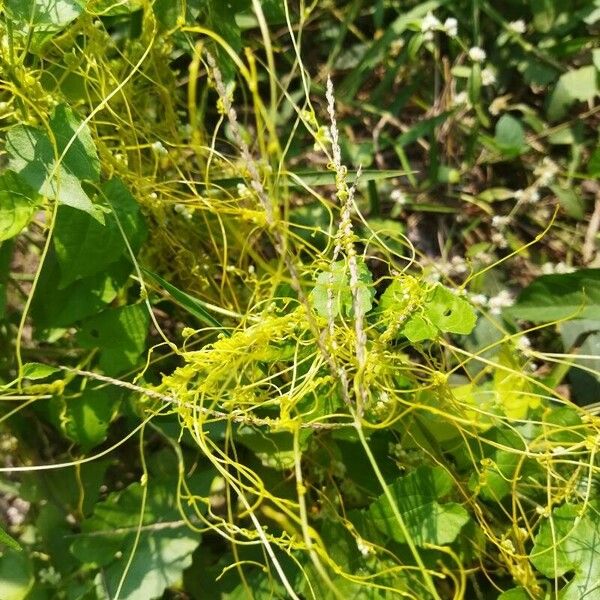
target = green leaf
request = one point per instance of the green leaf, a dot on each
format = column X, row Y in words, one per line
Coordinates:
column 45, row 15
column 571, row 201
column 510, row 136
column 576, row 85
column 517, row 593
column 570, row 543
column 8, row 541
column 17, row 205
column 34, row 156
column 55, row 307
column 86, row 247
column 593, row 166
column 449, row 312
column 337, row 279
column 119, row 333
column 275, row 450
column 35, row 370
column 416, row 496
column 560, row 296
column 6, row 252
column 86, row 419
column 16, row 575
column 194, row 306
column 418, row 329
column 165, row 545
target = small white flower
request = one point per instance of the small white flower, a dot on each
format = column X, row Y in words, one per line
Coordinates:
column 363, row 547
column 159, row 148
column 523, row 343
column 519, row 195
column 460, row 98
column 430, row 23
column 517, row 26
column 560, row 267
column 479, row 299
column 499, row 301
column 499, row 239
column 546, row 171
column 499, row 222
column 488, row 77
column 459, row 265
column 477, row 54
column 451, row 26
column 398, row 196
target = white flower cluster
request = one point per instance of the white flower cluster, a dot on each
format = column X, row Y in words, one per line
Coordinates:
column 398, row 196
column 477, row 54
column 561, row 267
column 499, row 301
column 430, row 23
column 184, row 211
column 488, row 76
column 364, row 547
column 523, row 343
column 159, row 148
column 529, row 195
column 546, row 172
column 382, row 406
column 517, row 26
column 500, row 222
column 495, row 304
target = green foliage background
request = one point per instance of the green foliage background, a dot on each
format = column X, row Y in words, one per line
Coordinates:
column 268, row 336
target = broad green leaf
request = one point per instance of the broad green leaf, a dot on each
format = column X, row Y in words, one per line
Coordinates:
column 510, row 136
column 571, row 544
column 418, row 329
column 38, row 370
column 449, row 312
column 8, row 541
column 338, row 281
column 416, row 496
column 194, row 306
column 34, row 156
column 71, row 489
column 274, row 450
column 54, row 307
column 165, row 546
column 583, row 337
column 560, row 296
column 16, row 575
column 576, row 85
column 119, row 334
column 85, row 419
column 45, row 15
column 85, row 247
column 17, row 205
